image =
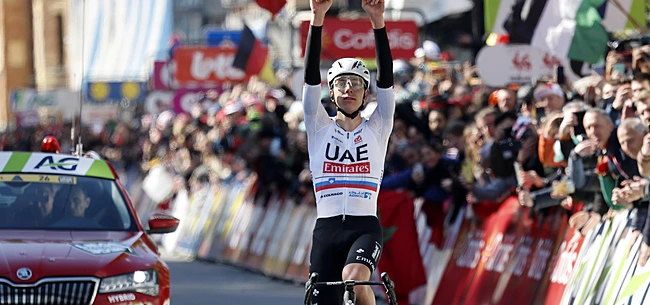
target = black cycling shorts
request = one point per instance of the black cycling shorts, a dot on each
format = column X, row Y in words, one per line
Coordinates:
column 337, row 243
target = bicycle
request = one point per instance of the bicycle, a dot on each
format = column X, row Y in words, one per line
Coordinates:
column 349, row 298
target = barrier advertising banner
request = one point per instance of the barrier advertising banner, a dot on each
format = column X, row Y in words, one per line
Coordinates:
column 509, row 256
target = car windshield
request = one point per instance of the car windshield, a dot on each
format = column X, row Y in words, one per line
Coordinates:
column 60, row 202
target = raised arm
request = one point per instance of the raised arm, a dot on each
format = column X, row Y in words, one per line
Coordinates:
column 382, row 47
column 385, row 95
column 316, row 118
column 314, row 38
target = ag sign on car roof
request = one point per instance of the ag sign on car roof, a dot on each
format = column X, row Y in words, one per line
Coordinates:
column 25, row 162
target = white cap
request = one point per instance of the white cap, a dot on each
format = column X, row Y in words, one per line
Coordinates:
column 543, row 91
column 233, row 107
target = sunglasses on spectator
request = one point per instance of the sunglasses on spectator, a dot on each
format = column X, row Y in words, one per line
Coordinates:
column 356, row 82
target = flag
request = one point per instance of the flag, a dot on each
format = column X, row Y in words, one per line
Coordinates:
column 273, row 6
column 566, row 28
column 496, row 12
column 401, row 256
column 615, row 19
column 253, row 57
column 580, row 35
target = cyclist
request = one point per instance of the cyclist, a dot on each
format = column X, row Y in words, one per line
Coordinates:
column 346, row 158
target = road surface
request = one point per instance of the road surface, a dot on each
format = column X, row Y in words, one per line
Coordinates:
column 203, row 283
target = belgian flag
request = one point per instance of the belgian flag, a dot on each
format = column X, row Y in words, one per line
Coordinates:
column 253, row 57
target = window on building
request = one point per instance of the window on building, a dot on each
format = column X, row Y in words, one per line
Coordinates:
column 59, row 35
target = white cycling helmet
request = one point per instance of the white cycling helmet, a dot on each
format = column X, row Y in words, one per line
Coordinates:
column 348, row 66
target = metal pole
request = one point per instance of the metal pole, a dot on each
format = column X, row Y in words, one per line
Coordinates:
column 83, row 48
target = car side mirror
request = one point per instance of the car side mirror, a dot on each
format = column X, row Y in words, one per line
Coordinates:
column 161, row 223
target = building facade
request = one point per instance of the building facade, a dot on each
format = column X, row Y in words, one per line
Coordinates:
column 32, row 48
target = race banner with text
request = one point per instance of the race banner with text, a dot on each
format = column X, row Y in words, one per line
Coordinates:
column 355, row 38
column 206, row 66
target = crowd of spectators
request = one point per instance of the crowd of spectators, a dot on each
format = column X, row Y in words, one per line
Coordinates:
column 456, row 142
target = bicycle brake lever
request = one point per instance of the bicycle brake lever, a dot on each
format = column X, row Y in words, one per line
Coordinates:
column 309, row 287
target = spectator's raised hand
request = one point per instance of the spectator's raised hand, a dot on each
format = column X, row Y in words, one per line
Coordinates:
column 586, row 148
column 640, row 58
column 447, row 184
column 566, row 127
column 623, row 94
column 634, row 189
column 551, row 128
column 619, row 197
column 525, row 199
column 644, row 254
column 530, row 179
column 418, row 173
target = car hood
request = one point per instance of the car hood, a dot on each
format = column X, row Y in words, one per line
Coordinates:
column 72, row 253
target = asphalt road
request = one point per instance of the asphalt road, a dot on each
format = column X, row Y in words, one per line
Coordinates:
column 203, row 283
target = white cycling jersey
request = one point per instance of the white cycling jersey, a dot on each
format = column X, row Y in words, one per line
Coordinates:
column 347, row 167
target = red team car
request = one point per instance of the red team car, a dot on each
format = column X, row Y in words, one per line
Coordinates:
column 69, row 234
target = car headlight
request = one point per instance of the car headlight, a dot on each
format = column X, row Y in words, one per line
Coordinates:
column 145, row 282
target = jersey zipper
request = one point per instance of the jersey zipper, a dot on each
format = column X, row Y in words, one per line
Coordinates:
column 345, row 189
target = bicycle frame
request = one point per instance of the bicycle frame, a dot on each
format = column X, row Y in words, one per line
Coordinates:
column 349, row 298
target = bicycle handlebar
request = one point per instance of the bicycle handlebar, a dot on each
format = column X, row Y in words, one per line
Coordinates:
column 349, row 282
column 386, row 282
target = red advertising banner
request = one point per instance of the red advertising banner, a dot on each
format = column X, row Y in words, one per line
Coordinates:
column 548, row 230
column 476, row 242
column 501, row 236
column 355, row 38
column 162, row 76
column 561, row 268
column 201, row 66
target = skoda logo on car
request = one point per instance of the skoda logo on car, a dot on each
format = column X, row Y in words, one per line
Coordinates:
column 24, row 274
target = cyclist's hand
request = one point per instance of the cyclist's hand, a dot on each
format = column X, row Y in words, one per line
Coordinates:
column 320, row 6
column 374, row 8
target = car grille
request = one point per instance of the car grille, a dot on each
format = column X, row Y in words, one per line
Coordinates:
column 50, row 291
